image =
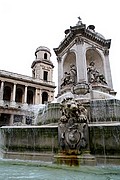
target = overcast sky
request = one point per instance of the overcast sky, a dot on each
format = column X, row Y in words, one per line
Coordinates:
column 28, row 24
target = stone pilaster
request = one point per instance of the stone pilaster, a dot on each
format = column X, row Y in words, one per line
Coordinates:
column 59, row 59
column 81, row 61
column 107, row 69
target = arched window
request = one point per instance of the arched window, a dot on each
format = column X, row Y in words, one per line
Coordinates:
column 19, row 94
column 7, row 93
column 30, row 97
column 45, row 55
column 44, row 97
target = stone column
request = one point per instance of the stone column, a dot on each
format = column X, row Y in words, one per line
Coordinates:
column 14, row 92
column 40, row 96
column 59, row 59
column 24, row 120
column 81, row 61
column 36, row 97
column 107, row 69
column 1, row 90
column 11, row 119
column 25, row 95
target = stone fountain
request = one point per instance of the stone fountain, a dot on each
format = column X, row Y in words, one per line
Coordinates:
column 83, row 126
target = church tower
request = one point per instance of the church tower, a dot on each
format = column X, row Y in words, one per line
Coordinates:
column 42, row 71
column 42, row 66
column 83, row 63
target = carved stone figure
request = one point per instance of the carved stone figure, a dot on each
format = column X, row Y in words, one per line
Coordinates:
column 94, row 75
column 66, row 79
column 70, row 77
column 73, row 74
column 72, row 126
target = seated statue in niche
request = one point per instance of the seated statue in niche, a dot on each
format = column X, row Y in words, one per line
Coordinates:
column 73, row 74
column 70, row 77
column 94, row 75
column 66, row 79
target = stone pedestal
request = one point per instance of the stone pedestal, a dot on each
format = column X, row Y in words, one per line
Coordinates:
column 75, row 160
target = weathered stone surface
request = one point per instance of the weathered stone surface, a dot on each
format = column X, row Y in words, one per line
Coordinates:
column 29, row 140
column 105, row 110
column 105, row 139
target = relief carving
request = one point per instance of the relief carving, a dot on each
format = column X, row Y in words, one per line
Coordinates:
column 73, row 126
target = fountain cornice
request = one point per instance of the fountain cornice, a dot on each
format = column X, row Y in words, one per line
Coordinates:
column 82, row 31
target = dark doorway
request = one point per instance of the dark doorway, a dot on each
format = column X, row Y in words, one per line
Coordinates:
column 19, row 94
column 7, row 93
column 4, row 119
column 44, row 97
column 30, row 97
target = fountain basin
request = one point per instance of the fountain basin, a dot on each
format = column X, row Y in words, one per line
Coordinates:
column 41, row 143
column 105, row 142
column 29, row 142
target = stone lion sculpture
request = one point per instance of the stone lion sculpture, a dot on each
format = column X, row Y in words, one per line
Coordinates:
column 73, row 125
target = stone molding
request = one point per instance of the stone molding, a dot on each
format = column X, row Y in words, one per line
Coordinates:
column 106, row 52
column 59, row 58
column 79, row 40
column 84, row 32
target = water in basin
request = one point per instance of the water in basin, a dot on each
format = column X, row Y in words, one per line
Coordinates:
column 33, row 170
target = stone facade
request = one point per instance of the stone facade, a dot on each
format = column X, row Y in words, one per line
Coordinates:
column 20, row 94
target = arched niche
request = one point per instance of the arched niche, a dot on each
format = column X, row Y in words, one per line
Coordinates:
column 94, row 55
column 70, row 58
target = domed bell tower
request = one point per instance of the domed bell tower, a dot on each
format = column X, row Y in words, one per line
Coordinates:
column 42, row 66
column 42, row 72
